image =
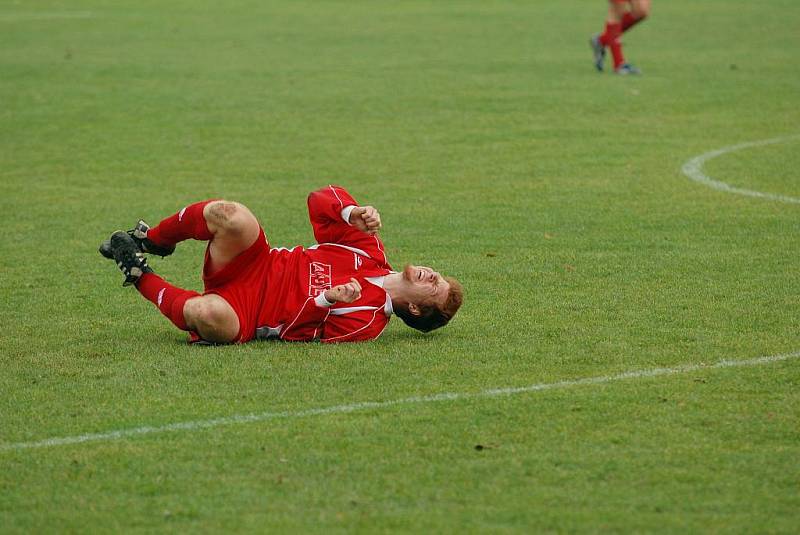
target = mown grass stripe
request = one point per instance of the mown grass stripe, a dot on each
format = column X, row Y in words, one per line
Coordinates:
column 47, row 15
column 367, row 405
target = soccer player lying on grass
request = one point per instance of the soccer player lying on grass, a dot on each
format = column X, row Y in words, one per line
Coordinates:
column 622, row 16
column 340, row 290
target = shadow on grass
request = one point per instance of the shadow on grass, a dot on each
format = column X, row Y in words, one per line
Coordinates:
column 405, row 336
column 410, row 335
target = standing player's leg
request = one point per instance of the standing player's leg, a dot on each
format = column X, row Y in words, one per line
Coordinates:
column 610, row 38
column 230, row 227
column 640, row 10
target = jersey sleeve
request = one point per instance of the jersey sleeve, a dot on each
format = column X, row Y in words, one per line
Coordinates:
column 359, row 327
column 327, row 208
column 314, row 321
column 307, row 323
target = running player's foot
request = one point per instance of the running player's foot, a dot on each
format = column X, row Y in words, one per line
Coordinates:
column 139, row 235
column 599, row 52
column 626, row 69
column 128, row 257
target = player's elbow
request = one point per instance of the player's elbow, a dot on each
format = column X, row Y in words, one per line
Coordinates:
column 315, row 196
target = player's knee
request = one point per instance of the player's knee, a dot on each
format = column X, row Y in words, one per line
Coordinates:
column 212, row 319
column 230, row 217
column 198, row 313
column 641, row 10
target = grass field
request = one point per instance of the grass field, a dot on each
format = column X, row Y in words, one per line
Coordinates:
column 496, row 154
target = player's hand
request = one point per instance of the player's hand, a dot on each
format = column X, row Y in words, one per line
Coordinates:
column 344, row 293
column 366, row 218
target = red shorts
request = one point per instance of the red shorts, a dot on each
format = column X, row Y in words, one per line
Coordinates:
column 242, row 283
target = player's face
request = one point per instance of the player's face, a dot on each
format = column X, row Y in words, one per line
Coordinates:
column 426, row 286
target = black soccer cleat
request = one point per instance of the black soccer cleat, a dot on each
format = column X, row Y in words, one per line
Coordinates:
column 139, row 235
column 599, row 52
column 129, row 258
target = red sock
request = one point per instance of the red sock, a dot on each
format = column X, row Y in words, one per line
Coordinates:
column 628, row 20
column 189, row 223
column 168, row 298
column 611, row 39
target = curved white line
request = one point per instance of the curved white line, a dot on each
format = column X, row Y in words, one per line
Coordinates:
column 374, row 405
column 694, row 170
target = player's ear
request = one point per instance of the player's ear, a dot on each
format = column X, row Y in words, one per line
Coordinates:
column 414, row 309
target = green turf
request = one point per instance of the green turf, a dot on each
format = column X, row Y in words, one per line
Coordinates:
column 496, row 154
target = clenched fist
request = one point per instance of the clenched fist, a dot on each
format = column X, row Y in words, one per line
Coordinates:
column 344, row 293
column 366, row 218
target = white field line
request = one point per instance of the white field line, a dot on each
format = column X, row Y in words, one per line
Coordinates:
column 694, row 170
column 375, row 405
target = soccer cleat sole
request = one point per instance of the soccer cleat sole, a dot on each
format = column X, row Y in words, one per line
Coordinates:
column 130, row 260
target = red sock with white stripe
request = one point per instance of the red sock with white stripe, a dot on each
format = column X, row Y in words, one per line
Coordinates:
column 168, row 298
column 610, row 38
column 187, row 224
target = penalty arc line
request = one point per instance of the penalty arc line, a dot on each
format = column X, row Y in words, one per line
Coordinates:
column 694, row 170
column 373, row 405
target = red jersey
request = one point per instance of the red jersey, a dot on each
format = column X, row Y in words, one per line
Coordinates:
column 278, row 292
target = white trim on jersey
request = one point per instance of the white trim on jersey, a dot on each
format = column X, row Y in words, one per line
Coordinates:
column 335, row 195
column 345, row 213
column 351, row 249
column 347, row 310
column 321, row 301
column 310, row 299
column 388, row 308
column 377, row 281
column 378, row 243
column 374, row 315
